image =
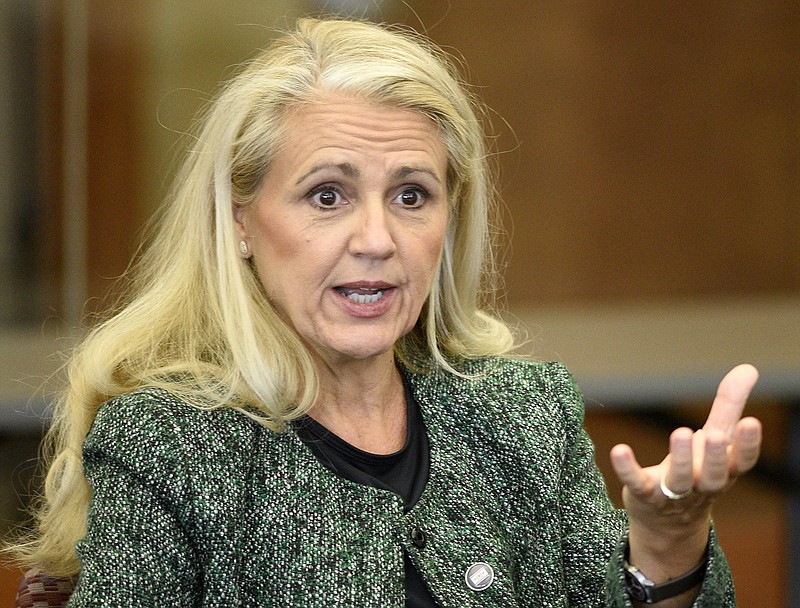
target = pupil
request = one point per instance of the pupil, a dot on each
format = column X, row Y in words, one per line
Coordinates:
column 327, row 197
column 409, row 197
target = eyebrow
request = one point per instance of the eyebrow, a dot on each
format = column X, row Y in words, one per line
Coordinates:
column 406, row 171
column 346, row 168
column 351, row 171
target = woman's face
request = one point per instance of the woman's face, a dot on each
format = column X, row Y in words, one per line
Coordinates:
column 348, row 226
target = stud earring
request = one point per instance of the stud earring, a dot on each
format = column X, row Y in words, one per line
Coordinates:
column 244, row 250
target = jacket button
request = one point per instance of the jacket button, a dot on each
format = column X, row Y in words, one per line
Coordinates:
column 418, row 537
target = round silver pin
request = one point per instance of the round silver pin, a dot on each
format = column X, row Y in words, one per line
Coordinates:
column 479, row 576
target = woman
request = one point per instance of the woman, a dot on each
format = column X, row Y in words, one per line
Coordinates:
column 305, row 403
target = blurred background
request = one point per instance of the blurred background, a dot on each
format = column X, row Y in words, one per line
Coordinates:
column 649, row 163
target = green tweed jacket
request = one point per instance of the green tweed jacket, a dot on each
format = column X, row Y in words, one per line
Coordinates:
column 208, row 508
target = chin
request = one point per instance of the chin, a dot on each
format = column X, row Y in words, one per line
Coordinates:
column 360, row 350
column 358, row 344
column 359, row 353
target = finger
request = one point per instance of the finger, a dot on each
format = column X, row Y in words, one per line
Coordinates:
column 746, row 446
column 715, row 472
column 731, row 397
column 698, row 450
column 628, row 470
column 679, row 475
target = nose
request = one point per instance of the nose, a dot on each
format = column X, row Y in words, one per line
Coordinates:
column 372, row 235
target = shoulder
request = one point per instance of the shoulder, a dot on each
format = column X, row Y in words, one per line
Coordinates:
column 503, row 399
column 503, row 384
column 149, row 409
column 152, row 425
column 522, row 419
column 520, row 375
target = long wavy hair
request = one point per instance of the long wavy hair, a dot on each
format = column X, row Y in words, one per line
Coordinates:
column 194, row 319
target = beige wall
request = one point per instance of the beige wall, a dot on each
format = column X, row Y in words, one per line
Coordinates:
column 648, row 150
column 188, row 47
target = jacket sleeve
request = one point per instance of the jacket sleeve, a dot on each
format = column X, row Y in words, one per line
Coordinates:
column 717, row 589
column 150, row 530
column 590, row 523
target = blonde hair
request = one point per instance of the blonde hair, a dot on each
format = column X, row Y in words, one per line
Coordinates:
column 197, row 322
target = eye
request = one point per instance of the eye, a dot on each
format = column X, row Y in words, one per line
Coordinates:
column 412, row 198
column 325, row 197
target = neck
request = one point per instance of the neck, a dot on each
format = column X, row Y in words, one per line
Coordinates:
column 364, row 404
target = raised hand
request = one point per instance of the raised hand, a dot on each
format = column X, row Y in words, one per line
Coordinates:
column 669, row 504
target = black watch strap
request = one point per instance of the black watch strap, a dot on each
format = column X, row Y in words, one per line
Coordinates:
column 644, row 590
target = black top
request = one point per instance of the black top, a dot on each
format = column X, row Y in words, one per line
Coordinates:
column 405, row 473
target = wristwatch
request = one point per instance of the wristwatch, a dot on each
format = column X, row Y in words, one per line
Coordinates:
column 642, row 589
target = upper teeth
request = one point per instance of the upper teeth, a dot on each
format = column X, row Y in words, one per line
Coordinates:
column 365, row 298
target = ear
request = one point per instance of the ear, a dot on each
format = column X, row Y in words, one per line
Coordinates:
column 239, row 216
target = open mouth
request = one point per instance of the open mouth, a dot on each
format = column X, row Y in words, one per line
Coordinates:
column 361, row 295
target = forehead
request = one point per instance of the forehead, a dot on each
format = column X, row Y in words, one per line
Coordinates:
column 339, row 122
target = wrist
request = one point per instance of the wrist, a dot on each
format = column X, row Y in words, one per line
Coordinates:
column 641, row 588
column 669, row 552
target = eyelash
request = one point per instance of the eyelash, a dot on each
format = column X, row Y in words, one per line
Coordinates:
column 319, row 190
column 419, row 190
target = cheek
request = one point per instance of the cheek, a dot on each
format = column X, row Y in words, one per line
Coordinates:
column 436, row 243
column 276, row 239
column 274, row 255
column 292, row 268
column 429, row 259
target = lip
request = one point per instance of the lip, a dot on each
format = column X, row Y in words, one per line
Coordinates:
column 365, row 285
column 365, row 310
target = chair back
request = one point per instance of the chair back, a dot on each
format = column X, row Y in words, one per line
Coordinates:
column 37, row 590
